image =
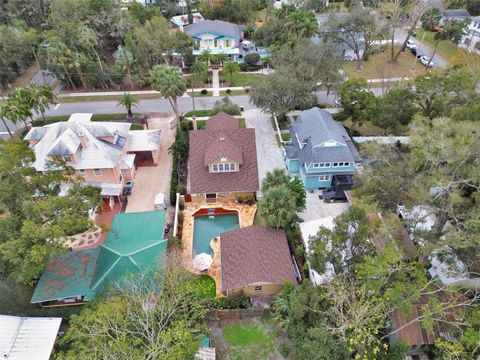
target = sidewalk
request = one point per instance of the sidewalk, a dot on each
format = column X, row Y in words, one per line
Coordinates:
column 146, row 92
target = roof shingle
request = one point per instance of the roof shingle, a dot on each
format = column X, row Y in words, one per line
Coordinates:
column 255, row 254
column 207, row 146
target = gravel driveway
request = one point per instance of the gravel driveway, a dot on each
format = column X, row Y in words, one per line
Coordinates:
column 269, row 154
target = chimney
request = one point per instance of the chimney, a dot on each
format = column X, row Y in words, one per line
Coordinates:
column 83, row 141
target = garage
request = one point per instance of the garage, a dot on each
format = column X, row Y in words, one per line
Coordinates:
column 145, row 145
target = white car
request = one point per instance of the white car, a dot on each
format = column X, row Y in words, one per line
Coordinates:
column 425, row 60
column 411, row 45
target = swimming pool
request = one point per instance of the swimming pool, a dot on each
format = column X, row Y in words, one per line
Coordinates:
column 206, row 227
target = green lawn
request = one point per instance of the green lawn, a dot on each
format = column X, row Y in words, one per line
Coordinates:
column 202, row 123
column 95, row 117
column 75, row 99
column 241, row 79
column 379, row 66
column 446, row 48
column 249, row 341
column 206, row 285
column 200, row 113
column 136, row 127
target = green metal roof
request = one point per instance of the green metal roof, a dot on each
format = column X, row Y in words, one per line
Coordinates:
column 134, row 243
column 66, row 276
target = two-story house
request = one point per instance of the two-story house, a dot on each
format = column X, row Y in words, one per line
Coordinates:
column 216, row 36
column 222, row 161
column 320, row 149
column 105, row 154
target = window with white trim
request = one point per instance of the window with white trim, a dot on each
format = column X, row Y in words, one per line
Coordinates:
column 324, row 177
column 67, row 158
column 258, row 288
column 321, row 165
column 97, row 172
column 227, row 167
column 82, row 172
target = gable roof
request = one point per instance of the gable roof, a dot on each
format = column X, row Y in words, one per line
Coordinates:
column 222, row 121
column 255, row 254
column 316, row 127
column 24, row 338
column 134, row 243
column 218, row 27
column 207, row 145
column 82, row 137
column 143, row 140
column 223, row 146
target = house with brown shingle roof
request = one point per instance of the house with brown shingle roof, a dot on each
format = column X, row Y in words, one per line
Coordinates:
column 255, row 261
column 222, row 161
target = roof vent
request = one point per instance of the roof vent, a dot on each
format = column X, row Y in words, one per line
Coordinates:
column 222, row 137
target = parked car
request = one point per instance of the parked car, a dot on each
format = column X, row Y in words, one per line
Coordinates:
column 425, row 60
column 411, row 45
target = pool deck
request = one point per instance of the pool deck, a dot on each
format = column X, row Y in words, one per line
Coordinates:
column 246, row 214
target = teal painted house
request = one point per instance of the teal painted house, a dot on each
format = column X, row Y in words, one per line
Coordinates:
column 320, row 149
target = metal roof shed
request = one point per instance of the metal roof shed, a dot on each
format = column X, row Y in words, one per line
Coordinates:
column 26, row 338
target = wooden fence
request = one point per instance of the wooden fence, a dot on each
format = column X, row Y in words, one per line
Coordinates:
column 236, row 314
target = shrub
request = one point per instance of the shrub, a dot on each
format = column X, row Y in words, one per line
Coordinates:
column 247, row 90
column 204, row 92
column 243, row 67
column 239, row 302
column 228, row 91
column 284, row 349
column 182, row 189
column 174, row 241
column 227, row 106
column 252, row 58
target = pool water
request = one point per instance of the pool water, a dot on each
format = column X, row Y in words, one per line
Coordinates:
column 206, row 227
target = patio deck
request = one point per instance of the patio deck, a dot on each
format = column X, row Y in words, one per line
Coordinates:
column 246, row 214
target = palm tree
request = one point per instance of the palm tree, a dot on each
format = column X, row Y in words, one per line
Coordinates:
column 278, row 207
column 231, row 68
column 277, row 177
column 168, row 80
column 221, row 58
column 200, row 68
column 39, row 97
column 128, row 101
column 206, row 56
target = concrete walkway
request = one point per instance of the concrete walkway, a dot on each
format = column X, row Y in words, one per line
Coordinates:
column 216, row 82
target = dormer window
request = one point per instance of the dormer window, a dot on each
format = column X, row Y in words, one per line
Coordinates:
column 227, row 167
column 119, row 140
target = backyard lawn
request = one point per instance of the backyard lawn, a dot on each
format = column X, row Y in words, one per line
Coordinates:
column 446, row 48
column 379, row 66
column 249, row 340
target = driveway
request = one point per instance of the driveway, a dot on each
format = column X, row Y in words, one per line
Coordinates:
column 269, row 154
column 317, row 209
column 401, row 35
column 149, row 181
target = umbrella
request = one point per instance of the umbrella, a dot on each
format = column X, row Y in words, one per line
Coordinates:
column 202, row 261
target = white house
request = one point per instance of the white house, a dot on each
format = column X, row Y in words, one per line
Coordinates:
column 471, row 37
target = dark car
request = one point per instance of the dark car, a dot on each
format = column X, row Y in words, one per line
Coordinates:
column 413, row 51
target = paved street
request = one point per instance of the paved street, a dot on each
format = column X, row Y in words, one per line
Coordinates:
column 269, row 154
column 401, row 35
